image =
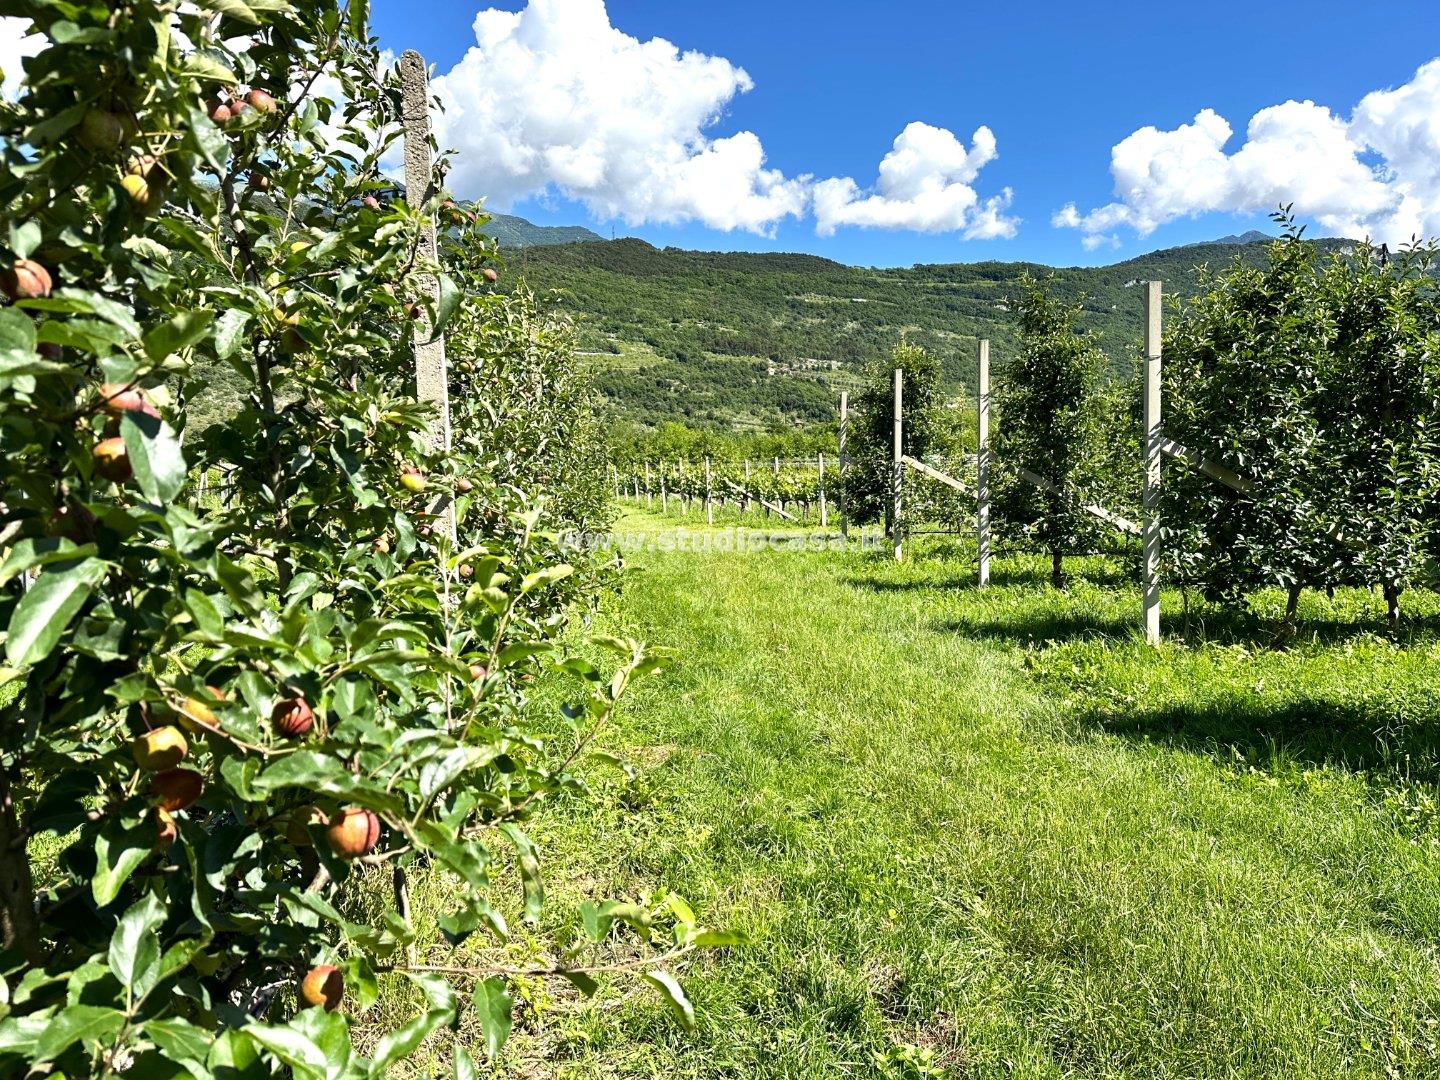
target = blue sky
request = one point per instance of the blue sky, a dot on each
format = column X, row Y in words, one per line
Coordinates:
column 1058, row 85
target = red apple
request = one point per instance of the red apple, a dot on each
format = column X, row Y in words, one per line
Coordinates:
column 490, row 274
column 112, row 461
column 353, row 832
column 26, row 280
column 293, row 718
column 160, row 750
column 261, row 101
column 322, row 985
column 176, row 789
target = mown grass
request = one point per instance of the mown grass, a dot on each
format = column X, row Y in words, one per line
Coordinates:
column 991, row 834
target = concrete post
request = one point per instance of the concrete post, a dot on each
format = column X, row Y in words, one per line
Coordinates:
column 844, row 462
column 709, row 494
column 746, row 507
column 824, row 511
column 1150, row 522
column 982, row 466
column 897, row 477
column 432, row 382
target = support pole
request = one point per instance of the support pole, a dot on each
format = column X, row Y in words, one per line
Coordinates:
column 1150, row 521
column 664, row 494
column 844, row 462
column 897, row 468
column 709, row 495
column 649, row 491
column 432, row 383
column 982, row 466
column 745, row 508
column 824, row 510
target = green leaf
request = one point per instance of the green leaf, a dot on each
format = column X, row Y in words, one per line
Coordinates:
column 582, row 982
column 178, row 334
column 293, row 1048
column 206, row 615
column 234, row 9
column 135, row 949
column 44, row 613
column 529, row 860
column 464, row 1065
column 17, row 331
column 549, row 576
column 493, row 1008
column 230, row 331
column 180, row 1039
column 79, row 1023
column 117, row 854
column 447, row 305
column 674, row 996
column 402, row 1042
column 40, row 551
column 156, row 457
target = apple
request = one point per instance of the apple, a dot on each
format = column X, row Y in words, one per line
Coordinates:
column 464, row 485
column 74, row 522
column 322, row 985
column 101, row 131
column 197, row 715
column 143, row 165
column 176, row 789
column 353, row 832
column 259, row 178
column 144, row 196
column 261, row 101
column 370, row 202
column 293, row 718
column 412, row 479
column 26, row 280
column 466, row 570
column 478, row 672
column 381, row 546
column 119, row 398
column 413, row 310
column 220, row 111
column 490, row 274
column 165, row 830
column 297, row 829
column 112, row 461
column 160, row 750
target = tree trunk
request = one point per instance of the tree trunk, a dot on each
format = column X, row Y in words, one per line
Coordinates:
column 1286, row 632
column 1392, row 607
column 1057, row 571
column 19, row 927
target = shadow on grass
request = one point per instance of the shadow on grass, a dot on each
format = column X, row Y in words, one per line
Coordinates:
column 1307, row 732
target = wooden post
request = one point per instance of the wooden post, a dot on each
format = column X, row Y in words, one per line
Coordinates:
column 982, row 466
column 432, row 382
column 709, row 495
column 844, row 431
column 897, row 474
column 824, row 512
column 1150, row 520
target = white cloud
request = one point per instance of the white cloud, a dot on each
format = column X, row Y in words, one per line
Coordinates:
column 553, row 95
column 15, row 45
column 555, row 99
column 924, row 185
column 1298, row 152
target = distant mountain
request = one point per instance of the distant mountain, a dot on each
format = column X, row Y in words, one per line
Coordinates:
column 1254, row 236
column 516, row 232
column 725, row 339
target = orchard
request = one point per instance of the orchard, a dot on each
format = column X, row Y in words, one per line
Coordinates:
column 234, row 722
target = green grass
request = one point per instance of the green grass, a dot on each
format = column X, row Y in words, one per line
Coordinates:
column 993, row 835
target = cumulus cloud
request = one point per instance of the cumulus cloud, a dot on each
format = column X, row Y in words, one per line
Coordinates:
column 925, row 185
column 555, row 97
column 1298, row 152
column 15, row 46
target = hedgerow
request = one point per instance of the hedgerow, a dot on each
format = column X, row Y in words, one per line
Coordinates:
column 220, row 710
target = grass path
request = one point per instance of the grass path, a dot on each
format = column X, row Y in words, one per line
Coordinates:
column 947, row 871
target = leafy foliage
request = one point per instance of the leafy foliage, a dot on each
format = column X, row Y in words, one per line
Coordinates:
column 1317, row 381
column 228, row 717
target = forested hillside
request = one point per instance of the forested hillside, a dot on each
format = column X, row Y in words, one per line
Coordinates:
column 759, row 339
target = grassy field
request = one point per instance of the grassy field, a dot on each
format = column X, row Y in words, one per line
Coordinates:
column 992, row 835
